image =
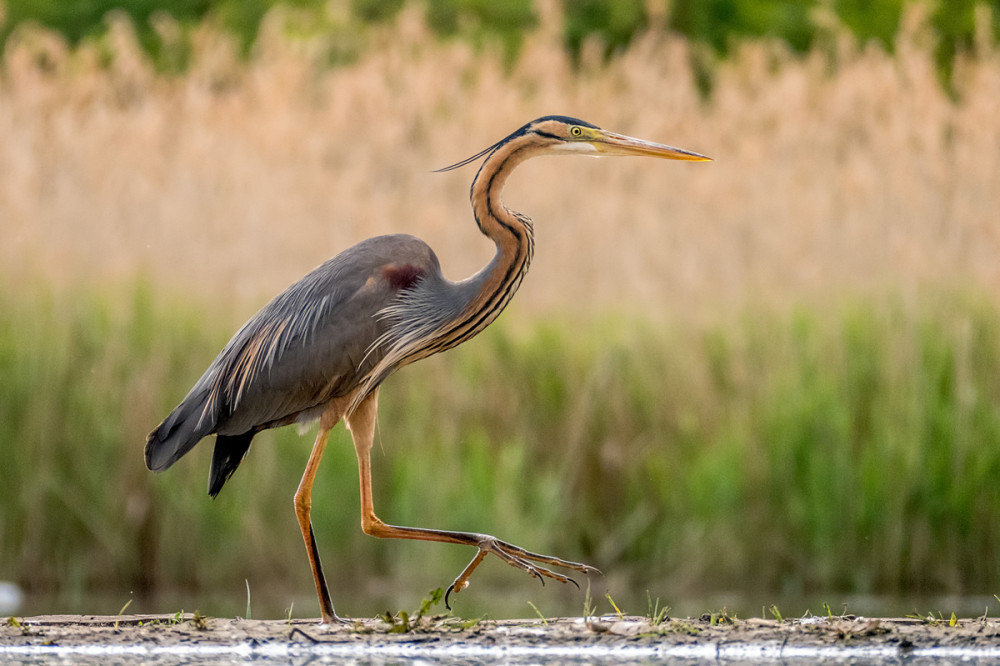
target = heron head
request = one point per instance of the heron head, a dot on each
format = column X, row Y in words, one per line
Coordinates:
column 571, row 135
column 566, row 135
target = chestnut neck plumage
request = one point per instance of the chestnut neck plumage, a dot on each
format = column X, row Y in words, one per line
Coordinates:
column 512, row 233
column 449, row 313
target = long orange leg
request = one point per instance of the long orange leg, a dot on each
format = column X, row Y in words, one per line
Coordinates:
column 362, row 426
column 303, row 506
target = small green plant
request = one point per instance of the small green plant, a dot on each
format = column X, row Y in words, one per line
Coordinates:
column 120, row 612
column 614, row 605
column 683, row 627
column 656, row 613
column 931, row 619
column 589, row 609
column 719, row 617
column 400, row 623
column 248, row 616
column 773, row 610
column 288, row 613
column 432, row 599
column 17, row 624
column 465, row 624
column 539, row 613
column 200, row 621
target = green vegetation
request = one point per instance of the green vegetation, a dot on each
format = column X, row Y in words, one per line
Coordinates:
column 718, row 24
column 655, row 613
column 854, row 449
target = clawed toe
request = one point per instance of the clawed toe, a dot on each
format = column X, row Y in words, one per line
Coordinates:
column 519, row 558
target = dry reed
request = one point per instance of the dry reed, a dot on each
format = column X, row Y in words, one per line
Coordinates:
column 232, row 180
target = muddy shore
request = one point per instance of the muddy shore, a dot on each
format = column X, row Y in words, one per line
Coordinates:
column 627, row 636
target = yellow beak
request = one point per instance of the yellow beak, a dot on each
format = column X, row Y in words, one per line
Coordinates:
column 609, row 143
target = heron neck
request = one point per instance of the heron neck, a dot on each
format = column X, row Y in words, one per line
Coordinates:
column 469, row 306
column 510, row 231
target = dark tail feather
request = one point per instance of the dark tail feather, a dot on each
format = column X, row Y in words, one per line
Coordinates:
column 229, row 453
column 179, row 432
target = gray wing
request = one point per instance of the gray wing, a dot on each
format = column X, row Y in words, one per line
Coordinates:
column 313, row 342
column 310, row 344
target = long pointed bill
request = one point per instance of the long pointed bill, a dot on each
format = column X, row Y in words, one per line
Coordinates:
column 609, row 143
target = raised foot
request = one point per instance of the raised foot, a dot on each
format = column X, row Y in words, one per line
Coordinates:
column 517, row 557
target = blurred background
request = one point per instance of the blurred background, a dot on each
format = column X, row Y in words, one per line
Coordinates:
column 768, row 380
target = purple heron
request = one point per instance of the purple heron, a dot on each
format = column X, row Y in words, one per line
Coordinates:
column 321, row 348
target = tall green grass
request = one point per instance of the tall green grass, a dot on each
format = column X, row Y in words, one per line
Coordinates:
column 850, row 449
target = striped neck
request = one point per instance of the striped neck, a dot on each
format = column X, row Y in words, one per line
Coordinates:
column 414, row 331
column 510, row 231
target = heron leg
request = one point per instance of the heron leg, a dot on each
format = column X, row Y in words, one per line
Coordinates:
column 362, row 426
column 303, row 506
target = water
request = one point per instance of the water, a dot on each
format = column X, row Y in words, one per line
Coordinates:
column 432, row 654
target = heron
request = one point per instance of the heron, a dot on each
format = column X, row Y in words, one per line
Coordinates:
column 321, row 349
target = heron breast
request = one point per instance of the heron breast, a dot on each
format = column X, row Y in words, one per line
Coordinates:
column 402, row 276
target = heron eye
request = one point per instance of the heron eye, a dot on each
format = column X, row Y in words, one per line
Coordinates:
column 576, row 131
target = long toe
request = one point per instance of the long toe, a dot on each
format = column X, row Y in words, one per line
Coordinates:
column 519, row 554
column 519, row 558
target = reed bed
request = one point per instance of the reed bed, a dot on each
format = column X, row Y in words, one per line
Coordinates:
column 822, row 452
column 787, row 380
column 847, row 169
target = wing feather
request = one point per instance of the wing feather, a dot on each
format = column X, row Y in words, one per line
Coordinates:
column 310, row 344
